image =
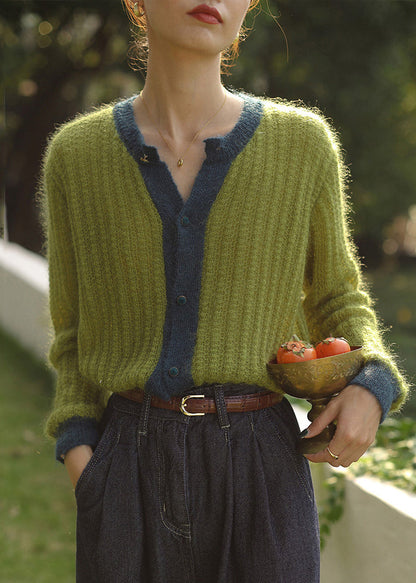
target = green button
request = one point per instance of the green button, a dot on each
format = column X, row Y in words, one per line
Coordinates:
column 185, row 221
column 173, row 371
column 181, row 300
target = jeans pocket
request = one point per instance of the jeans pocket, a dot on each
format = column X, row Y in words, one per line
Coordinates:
column 172, row 477
column 280, row 422
column 104, row 447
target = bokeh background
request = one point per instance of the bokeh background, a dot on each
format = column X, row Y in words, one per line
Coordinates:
column 354, row 59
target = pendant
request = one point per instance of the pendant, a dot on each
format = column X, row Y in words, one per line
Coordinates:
column 180, row 162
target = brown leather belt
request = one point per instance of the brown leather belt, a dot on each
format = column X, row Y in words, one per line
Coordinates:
column 199, row 404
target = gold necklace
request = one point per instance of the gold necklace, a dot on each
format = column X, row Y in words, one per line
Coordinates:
column 181, row 160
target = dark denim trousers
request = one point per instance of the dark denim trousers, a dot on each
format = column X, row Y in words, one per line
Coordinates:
column 219, row 498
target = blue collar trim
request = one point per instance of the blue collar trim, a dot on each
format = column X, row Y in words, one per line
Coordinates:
column 218, row 148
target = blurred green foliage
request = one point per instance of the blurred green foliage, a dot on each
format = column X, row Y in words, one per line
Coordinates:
column 393, row 455
column 354, row 59
column 331, row 505
column 394, row 291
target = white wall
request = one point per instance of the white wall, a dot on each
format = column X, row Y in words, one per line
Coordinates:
column 374, row 542
column 24, row 297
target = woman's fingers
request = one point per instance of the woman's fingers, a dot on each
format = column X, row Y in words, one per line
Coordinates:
column 329, row 414
column 344, row 457
column 349, row 443
column 357, row 413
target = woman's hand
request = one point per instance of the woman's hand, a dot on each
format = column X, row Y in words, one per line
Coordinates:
column 357, row 413
column 75, row 461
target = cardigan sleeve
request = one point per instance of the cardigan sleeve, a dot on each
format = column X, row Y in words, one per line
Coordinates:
column 337, row 301
column 78, row 404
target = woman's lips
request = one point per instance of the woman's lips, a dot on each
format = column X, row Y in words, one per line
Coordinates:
column 206, row 14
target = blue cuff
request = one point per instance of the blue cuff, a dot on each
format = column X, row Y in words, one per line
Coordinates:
column 76, row 431
column 379, row 380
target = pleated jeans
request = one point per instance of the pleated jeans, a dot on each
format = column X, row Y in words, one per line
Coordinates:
column 219, row 498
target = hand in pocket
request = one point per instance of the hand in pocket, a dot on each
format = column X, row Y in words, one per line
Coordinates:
column 76, row 461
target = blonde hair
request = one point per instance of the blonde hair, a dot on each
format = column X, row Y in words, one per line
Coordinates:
column 138, row 50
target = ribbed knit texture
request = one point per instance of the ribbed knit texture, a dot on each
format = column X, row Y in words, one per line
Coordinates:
column 277, row 259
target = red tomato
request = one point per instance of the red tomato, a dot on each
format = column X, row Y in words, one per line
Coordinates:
column 295, row 351
column 332, row 346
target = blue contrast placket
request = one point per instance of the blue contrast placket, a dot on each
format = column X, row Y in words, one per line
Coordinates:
column 184, row 226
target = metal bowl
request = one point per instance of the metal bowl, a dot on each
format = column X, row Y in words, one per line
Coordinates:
column 318, row 378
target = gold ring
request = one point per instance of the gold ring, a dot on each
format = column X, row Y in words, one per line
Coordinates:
column 332, row 454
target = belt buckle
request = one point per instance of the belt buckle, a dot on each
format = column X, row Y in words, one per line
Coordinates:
column 183, row 403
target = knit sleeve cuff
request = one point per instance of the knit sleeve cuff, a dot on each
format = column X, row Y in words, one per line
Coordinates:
column 380, row 381
column 76, row 431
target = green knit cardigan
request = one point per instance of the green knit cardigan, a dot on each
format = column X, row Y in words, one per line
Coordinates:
column 277, row 259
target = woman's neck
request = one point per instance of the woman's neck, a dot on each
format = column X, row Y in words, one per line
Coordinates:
column 182, row 92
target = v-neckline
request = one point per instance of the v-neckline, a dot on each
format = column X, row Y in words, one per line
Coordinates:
column 220, row 152
column 229, row 143
column 167, row 170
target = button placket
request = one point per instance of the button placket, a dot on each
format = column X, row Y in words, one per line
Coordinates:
column 184, row 244
column 183, row 234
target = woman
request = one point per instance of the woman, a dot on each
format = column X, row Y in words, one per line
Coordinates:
column 191, row 230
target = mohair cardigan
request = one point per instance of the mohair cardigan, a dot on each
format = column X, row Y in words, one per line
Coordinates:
column 149, row 291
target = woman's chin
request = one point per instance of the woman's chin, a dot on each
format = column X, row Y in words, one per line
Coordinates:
column 201, row 41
